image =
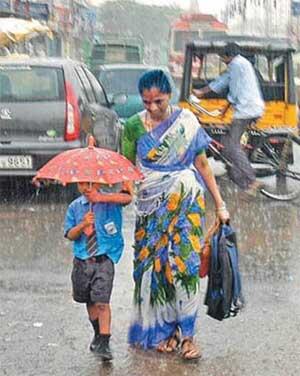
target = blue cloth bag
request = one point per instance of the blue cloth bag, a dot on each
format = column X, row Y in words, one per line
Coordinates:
column 224, row 289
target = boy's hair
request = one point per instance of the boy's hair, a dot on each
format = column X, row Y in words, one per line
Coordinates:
column 155, row 78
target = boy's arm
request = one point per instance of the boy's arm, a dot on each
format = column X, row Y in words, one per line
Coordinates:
column 77, row 230
column 124, row 197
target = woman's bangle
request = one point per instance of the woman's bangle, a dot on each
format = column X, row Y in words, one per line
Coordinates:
column 221, row 208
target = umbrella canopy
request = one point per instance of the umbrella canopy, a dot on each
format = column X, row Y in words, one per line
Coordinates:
column 90, row 164
column 17, row 30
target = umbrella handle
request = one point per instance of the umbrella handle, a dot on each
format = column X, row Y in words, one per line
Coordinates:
column 91, row 141
column 90, row 203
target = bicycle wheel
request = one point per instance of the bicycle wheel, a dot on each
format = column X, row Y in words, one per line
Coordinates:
column 279, row 167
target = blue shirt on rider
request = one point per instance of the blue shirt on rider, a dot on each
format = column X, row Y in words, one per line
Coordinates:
column 244, row 92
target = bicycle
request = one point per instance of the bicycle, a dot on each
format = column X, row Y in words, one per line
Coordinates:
column 272, row 154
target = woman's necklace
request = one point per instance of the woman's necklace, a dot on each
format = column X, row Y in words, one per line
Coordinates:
column 150, row 124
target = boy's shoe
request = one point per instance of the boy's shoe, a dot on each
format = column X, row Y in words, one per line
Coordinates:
column 102, row 348
column 94, row 342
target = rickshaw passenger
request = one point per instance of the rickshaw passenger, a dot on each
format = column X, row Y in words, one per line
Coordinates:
column 245, row 97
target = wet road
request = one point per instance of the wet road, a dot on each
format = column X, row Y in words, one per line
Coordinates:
column 44, row 333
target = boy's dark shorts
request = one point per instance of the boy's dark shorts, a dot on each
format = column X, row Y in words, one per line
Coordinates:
column 92, row 280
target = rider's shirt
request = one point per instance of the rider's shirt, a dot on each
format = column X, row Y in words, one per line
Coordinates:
column 244, row 92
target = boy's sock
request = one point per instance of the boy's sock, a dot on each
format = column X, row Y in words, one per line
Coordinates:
column 95, row 325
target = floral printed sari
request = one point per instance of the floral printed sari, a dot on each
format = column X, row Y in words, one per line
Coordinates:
column 170, row 219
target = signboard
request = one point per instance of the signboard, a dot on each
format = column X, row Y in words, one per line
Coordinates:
column 38, row 11
column 4, row 5
column 296, row 8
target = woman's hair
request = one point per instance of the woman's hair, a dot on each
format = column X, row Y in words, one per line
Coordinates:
column 155, row 78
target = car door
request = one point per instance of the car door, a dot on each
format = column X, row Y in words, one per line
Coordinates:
column 104, row 120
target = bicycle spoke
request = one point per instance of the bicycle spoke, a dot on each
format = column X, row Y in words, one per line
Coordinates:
column 291, row 174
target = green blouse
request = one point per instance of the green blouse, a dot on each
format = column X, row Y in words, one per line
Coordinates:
column 133, row 130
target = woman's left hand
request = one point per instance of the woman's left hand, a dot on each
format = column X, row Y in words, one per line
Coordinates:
column 93, row 196
column 222, row 213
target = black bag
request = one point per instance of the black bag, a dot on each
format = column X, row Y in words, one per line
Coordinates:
column 224, row 290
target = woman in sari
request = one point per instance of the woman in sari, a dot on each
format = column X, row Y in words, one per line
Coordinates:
column 168, row 144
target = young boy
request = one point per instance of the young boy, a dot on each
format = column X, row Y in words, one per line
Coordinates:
column 93, row 221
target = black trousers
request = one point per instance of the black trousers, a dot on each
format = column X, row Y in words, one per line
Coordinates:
column 241, row 171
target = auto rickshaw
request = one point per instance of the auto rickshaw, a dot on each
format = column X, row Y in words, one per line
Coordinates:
column 273, row 64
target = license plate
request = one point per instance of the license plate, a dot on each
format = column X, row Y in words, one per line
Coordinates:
column 15, row 162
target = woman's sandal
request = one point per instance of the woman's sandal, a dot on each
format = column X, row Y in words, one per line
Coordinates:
column 189, row 350
column 171, row 344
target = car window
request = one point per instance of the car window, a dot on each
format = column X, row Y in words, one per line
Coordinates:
column 31, row 83
column 97, row 88
column 84, row 93
column 121, row 80
column 116, row 53
column 85, row 84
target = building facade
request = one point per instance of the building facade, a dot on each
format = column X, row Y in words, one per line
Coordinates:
column 267, row 18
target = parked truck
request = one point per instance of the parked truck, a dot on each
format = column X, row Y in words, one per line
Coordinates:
column 116, row 49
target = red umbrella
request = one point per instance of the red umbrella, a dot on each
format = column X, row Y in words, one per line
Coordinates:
column 90, row 164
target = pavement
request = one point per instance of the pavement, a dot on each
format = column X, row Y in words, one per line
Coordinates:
column 43, row 332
